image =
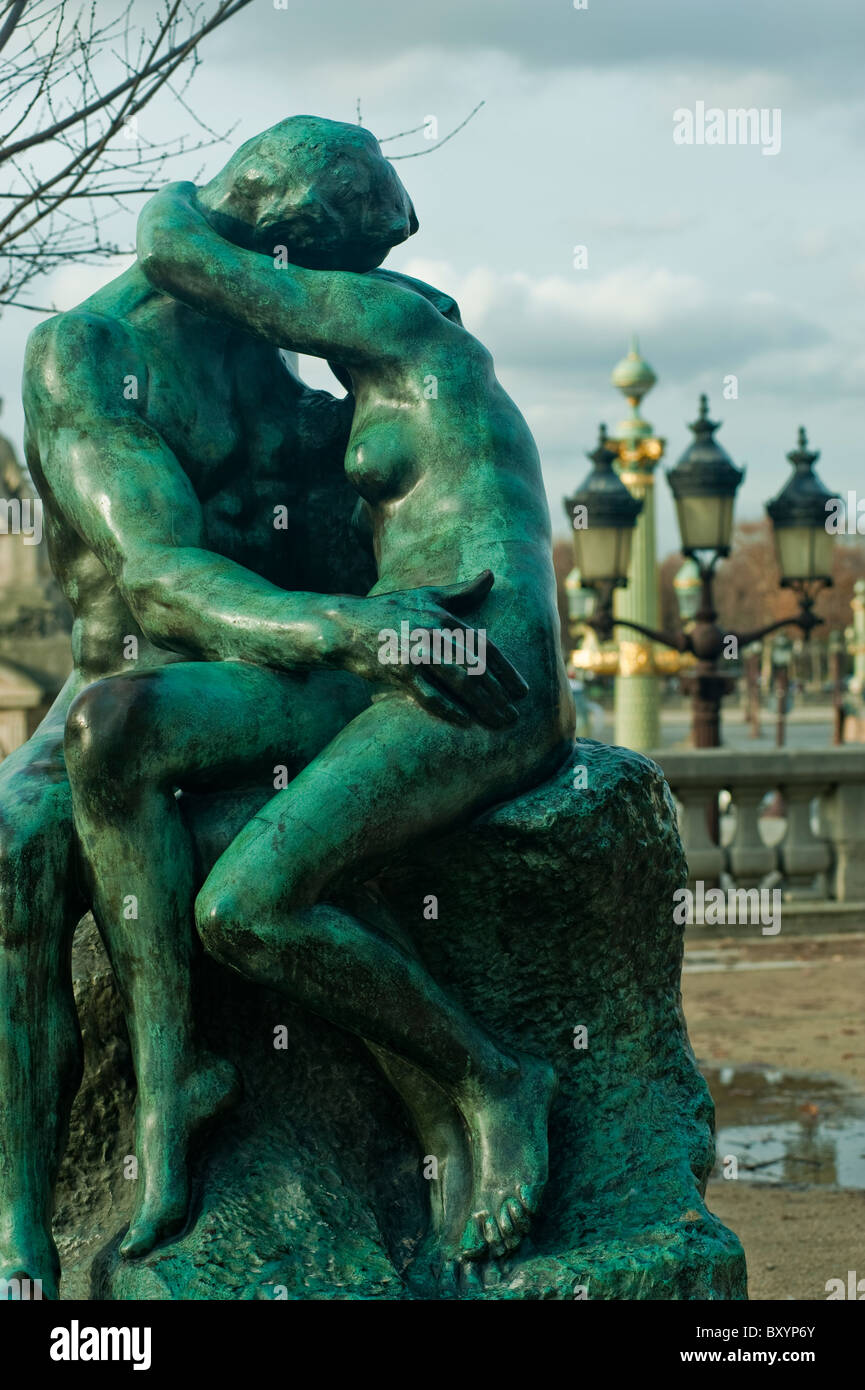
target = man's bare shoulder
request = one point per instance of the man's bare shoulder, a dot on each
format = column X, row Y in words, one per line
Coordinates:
column 77, row 359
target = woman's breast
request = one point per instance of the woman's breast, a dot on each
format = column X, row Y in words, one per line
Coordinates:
column 379, row 465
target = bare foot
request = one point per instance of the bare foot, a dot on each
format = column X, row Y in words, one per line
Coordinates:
column 165, row 1132
column 435, row 1263
column 508, row 1131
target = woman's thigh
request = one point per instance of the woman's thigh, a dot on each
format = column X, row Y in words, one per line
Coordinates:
column 394, row 776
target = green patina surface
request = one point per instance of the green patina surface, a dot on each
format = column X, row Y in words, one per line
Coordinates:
column 553, row 913
column 219, row 656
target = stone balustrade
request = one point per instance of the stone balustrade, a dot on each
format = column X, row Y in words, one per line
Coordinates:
column 816, row 850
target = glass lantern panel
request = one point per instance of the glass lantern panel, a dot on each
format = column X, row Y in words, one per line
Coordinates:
column 804, row 552
column 599, row 552
column 705, row 523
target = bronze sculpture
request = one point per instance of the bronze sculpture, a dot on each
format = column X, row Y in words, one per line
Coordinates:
column 160, row 425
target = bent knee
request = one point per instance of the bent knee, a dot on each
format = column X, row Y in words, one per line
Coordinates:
column 219, row 924
column 109, row 728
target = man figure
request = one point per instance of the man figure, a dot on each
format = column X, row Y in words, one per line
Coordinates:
column 175, row 459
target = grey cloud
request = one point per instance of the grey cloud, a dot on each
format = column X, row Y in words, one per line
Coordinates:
column 719, row 335
column 551, row 33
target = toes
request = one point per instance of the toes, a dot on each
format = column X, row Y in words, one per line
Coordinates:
column 530, row 1196
column 519, row 1217
column 473, row 1245
column 511, row 1235
column 493, row 1236
column 496, row 1236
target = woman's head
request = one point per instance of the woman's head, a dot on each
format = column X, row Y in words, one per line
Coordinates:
column 321, row 189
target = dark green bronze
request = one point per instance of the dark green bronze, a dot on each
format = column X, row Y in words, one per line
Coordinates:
column 553, row 916
column 249, row 743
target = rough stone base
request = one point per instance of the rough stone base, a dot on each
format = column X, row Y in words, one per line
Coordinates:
column 554, row 911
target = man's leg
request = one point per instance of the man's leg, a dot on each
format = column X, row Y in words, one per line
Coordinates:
column 131, row 741
column 40, row 1046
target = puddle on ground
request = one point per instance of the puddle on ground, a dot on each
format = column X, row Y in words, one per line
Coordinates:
column 787, row 1128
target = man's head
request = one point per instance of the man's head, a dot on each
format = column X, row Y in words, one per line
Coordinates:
column 322, row 189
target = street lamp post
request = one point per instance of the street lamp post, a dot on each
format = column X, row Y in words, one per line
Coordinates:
column 782, row 655
column 686, row 586
column 752, row 677
column 704, row 485
column 837, row 653
column 581, row 602
column 857, row 640
column 636, row 688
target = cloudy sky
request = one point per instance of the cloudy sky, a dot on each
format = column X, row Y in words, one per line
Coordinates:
column 724, row 261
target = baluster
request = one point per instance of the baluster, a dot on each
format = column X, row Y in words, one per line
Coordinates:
column 751, row 859
column 842, row 818
column 705, row 859
column 805, row 859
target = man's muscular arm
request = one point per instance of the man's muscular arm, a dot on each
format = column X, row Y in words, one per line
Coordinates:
column 118, row 484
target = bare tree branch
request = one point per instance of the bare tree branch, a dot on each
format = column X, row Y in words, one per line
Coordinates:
column 37, row 308
column 227, row 10
column 15, row 12
column 72, row 84
column 438, row 144
column 401, row 133
column 76, row 125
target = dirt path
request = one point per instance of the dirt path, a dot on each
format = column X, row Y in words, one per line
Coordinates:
column 794, row 1241
column 808, row 1016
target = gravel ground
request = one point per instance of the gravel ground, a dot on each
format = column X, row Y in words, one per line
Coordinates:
column 806, row 1017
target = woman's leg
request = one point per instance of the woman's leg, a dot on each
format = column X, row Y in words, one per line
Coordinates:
column 130, row 742
column 395, row 775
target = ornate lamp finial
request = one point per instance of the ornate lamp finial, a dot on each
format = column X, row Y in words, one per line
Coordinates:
column 634, row 378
